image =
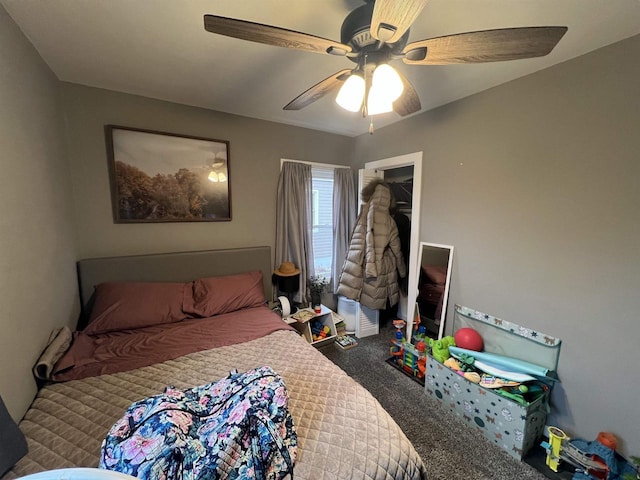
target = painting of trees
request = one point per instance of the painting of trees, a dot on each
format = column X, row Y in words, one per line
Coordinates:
column 180, row 190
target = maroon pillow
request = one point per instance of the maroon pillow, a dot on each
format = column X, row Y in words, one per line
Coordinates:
column 435, row 274
column 127, row 305
column 216, row 295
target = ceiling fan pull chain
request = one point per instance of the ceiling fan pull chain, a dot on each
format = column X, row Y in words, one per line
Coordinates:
column 371, row 126
column 365, row 107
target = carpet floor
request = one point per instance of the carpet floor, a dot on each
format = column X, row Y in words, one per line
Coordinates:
column 449, row 448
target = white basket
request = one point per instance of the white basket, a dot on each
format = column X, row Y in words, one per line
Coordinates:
column 359, row 320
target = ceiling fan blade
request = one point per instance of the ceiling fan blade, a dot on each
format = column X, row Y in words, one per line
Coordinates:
column 319, row 90
column 280, row 37
column 484, row 46
column 392, row 18
column 408, row 102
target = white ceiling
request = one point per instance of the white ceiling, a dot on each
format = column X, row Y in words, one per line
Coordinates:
column 160, row 49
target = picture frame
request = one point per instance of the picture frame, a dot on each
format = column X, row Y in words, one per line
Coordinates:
column 160, row 177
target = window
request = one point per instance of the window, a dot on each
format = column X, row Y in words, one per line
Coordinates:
column 322, row 213
column 326, row 238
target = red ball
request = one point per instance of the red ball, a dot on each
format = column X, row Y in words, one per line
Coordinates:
column 469, row 338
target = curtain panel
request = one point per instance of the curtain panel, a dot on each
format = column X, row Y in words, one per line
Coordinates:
column 345, row 206
column 294, row 222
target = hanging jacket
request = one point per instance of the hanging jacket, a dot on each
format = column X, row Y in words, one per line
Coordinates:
column 374, row 258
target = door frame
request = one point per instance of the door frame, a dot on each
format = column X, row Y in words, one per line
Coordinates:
column 415, row 160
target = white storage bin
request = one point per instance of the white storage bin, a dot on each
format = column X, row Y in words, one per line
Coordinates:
column 359, row 320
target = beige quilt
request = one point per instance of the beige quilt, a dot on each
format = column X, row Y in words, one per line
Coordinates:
column 343, row 431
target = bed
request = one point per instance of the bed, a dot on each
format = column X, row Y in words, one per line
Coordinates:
column 343, row 432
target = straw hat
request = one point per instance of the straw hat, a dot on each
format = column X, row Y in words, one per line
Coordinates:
column 286, row 269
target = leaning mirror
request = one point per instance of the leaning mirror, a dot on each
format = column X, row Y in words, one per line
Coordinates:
column 433, row 286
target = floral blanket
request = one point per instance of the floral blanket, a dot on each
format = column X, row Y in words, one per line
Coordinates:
column 238, row 427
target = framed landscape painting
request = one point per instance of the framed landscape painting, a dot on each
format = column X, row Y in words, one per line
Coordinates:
column 165, row 177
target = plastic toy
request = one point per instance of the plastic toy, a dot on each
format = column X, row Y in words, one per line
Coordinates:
column 556, row 436
column 472, row 376
column 466, row 362
column 452, row 363
column 591, row 459
column 503, row 362
column 399, row 323
column 411, row 358
column 469, row 338
column 422, row 360
column 319, row 330
column 420, row 335
column 608, row 439
column 464, row 366
column 440, row 348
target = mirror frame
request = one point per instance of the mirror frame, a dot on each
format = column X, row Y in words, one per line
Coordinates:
column 445, row 298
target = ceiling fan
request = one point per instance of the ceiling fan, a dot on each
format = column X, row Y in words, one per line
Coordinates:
column 377, row 33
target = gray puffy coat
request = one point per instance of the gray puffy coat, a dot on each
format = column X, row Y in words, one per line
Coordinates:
column 374, row 259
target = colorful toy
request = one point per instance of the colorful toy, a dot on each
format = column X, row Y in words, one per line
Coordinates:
column 472, row 376
column 422, row 361
column 440, row 348
column 556, row 436
column 591, row 459
column 420, row 335
column 411, row 358
column 319, row 330
column 453, row 364
column 469, row 338
column 399, row 323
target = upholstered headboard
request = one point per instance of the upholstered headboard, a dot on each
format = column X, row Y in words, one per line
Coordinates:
column 172, row 267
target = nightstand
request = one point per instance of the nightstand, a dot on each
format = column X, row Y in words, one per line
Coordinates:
column 323, row 319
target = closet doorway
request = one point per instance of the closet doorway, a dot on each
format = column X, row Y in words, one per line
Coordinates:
column 404, row 173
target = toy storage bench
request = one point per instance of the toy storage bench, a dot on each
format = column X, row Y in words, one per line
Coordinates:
column 507, row 423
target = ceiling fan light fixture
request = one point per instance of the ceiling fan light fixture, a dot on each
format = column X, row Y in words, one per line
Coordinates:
column 351, row 93
column 388, row 81
column 215, row 177
column 378, row 101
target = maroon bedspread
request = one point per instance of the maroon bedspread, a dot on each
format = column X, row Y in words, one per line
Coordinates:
column 92, row 355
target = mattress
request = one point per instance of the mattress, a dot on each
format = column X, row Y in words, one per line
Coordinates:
column 343, row 432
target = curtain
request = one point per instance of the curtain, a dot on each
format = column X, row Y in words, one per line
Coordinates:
column 345, row 206
column 294, row 222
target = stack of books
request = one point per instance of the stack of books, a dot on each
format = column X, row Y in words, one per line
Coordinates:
column 346, row 342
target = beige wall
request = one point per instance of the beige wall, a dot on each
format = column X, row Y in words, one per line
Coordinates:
column 37, row 247
column 256, row 148
column 537, row 185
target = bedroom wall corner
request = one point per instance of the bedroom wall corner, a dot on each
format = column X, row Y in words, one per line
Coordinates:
column 38, row 288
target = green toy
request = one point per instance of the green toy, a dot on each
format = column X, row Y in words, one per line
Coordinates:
column 440, row 348
column 466, row 362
